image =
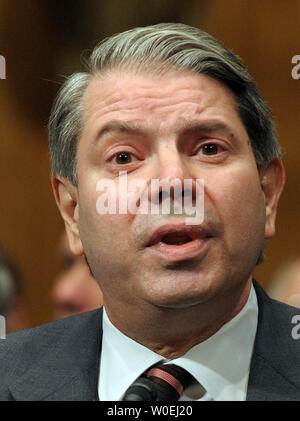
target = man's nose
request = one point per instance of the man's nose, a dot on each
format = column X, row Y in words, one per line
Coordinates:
column 172, row 163
column 172, row 178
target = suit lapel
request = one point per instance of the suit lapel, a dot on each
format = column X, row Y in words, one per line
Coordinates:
column 69, row 367
column 65, row 387
column 266, row 384
column 272, row 376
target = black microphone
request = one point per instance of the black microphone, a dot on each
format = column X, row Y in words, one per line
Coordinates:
column 142, row 389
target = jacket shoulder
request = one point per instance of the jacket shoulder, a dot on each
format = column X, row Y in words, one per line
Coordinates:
column 54, row 344
column 275, row 365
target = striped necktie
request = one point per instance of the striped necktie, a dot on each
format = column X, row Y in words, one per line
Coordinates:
column 170, row 380
column 162, row 382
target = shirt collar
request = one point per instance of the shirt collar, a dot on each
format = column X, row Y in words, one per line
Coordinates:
column 221, row 363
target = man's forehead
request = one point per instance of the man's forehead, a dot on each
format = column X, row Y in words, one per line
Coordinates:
column 119, row 89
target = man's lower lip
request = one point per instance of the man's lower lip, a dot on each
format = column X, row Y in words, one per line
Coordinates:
column 180, row 252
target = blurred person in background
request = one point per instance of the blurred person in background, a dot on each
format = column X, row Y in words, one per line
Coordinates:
column 12, row 305
column 74, row 290
column 285, row 285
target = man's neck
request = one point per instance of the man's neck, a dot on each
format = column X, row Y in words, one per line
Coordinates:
column 171, row 332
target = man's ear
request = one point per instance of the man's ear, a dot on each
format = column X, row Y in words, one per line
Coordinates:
column 272, row 178
column 66, row 197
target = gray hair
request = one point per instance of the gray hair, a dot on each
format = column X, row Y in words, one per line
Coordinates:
column 160, row 48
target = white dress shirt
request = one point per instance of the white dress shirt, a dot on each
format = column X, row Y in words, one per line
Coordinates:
column 221, row 363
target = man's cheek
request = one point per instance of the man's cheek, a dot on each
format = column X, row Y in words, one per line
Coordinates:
column 109, row 231
column 240, row 204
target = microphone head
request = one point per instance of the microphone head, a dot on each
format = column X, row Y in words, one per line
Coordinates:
column 142, row 389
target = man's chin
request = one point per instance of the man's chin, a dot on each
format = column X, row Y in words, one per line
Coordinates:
column 182, row 301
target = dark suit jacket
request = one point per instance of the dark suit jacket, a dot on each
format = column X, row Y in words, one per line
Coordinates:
column 60, row 360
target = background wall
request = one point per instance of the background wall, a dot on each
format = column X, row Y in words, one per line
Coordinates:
column 42, row 40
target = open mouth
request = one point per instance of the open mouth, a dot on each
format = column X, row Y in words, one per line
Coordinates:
column 175, row 235
column 176, row 239
column 178, row 242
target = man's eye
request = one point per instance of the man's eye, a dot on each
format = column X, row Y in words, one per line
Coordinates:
column 123, row 158
column 210, row 149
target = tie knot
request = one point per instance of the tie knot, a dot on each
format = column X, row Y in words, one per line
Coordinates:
column 170, row 380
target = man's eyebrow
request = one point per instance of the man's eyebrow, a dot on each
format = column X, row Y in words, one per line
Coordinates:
column 210, row 127
column 202, row 126
column 181, row 127
column 125, row 127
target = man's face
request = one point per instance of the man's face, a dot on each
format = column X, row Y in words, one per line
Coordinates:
column 179, row 125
